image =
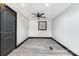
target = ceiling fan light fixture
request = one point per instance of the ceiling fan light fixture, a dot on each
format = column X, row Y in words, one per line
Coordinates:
column 47, row 4
column 23, row 4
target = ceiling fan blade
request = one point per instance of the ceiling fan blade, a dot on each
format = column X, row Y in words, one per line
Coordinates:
column 34, row 14
column 42, row 17
column 42, row 14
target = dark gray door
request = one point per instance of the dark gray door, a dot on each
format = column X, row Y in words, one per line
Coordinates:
column 7, row 30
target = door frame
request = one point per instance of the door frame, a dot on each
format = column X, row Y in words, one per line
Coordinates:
column 15, row 21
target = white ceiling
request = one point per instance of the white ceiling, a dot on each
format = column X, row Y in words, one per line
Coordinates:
column 51, row 10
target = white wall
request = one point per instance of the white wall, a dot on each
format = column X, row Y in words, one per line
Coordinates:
column 22, row 28
column 65, row 28
column 22, row 24
column 34, row 32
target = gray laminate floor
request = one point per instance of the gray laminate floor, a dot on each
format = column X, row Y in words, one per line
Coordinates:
column 40, row 47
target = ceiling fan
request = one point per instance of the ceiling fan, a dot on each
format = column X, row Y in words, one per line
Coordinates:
column 39, row 15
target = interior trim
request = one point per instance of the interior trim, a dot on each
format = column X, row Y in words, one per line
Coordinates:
column 22, row 42
column 40, row 37
column 74, row 54
column 0, row 30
